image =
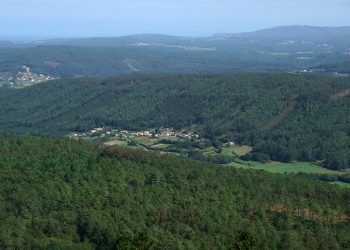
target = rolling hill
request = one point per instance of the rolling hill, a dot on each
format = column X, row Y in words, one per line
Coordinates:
column 59, row 191
column 298, row 33
column 290, row 117
column 290, row 48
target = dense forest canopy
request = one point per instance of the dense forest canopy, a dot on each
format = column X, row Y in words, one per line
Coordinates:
column 290, row 117
column 58, row 193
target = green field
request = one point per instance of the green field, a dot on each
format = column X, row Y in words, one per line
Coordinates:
column 209, row 151
column 148, row 143
column 341, row 184
column 120, row 143
column 241, row 150
column 146, row 140
column 273, row 167
column 290, row 168
column 281, row 168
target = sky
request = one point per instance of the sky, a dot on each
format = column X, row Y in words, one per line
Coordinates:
column 38, row 19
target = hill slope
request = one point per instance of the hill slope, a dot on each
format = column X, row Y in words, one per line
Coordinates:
column 280, row 33
column 278, row 49
column 300, row 33
column 290, row 117
column 63, row 194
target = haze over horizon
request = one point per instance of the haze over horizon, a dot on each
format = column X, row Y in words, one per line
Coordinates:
column 40, row 19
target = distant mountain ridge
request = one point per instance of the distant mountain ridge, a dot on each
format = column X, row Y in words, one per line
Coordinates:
column 274, row 33
column 282, row 49
column 302, row 32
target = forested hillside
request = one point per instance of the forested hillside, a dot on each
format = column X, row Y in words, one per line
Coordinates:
column 341, row 67
column 58, row 193
column 290, row 48
column 77, row 61
column 290, row 117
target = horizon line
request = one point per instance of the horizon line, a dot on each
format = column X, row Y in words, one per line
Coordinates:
column 28, row 39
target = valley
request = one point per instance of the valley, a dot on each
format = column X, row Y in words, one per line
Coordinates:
column 287, row 117
column 141, row 142
column 187, row 143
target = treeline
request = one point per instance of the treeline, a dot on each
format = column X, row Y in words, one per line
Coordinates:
column 331, row 178
column 339, row 67
column 64, row 194
column 287, row 117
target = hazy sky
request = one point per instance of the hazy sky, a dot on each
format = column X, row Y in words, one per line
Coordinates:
column 33, row 19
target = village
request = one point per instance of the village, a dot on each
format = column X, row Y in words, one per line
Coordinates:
column 23, row 78
column 166, row 141
column 124, row 134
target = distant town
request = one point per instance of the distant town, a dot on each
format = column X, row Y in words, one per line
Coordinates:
column 23, row 78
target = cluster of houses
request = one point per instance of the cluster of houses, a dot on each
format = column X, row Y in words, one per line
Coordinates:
column 165, row 133
column 6, row 76
column 126, row 134
column 28, row 76
column 24, row 78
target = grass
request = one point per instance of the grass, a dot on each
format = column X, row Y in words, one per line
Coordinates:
column 173, row 138
column 341, row 184
column 209, row 151
column 142, row 139
column 160, row 146
column 88, row 138
column 238, row 165
column 241, row 150
column 273, row 167
column 227, row 150
column 117, row 142
column 247, row 164
column 147, row 143
column 304, row 167
column 282, row 168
